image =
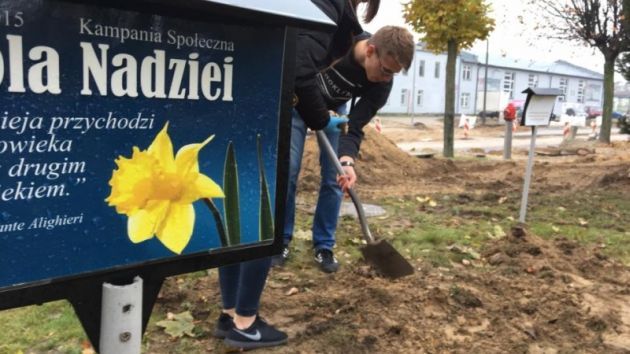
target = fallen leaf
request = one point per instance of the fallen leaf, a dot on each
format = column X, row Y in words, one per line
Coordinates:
column 432, row 204
column 423, row 199
column 497, row 232
column 530, row 270
column 302, row 235
column 555, row 229
column 582, row 222
column 274, row 285
column 292, row 291
column 181, row 324
column 502, row 200
column 85, row 344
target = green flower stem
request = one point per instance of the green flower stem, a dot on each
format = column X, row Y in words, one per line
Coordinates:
column 266, row 218
column 217, row 219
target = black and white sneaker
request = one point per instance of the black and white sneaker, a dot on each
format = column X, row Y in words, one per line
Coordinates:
column 259, row 335
column 224, row 324
column 326, row 260
column 279, row 260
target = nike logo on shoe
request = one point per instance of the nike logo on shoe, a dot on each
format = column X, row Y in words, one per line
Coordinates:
column 255, row 337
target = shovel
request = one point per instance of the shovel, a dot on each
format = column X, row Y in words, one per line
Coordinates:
column 381, row 255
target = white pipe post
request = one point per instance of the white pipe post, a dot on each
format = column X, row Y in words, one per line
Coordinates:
column 507, row 144
column 528, row 175
column 121, row 318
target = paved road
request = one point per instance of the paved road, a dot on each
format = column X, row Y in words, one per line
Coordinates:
column 547, row 136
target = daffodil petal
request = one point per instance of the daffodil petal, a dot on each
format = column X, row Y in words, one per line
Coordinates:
column 186, row 159
column 177, row 227
column 202, row 187
column 132, row 182
column 162, row 149
column 142, row 224
column 207, row 188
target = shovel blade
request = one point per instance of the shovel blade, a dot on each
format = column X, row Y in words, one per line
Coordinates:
column 384, row 258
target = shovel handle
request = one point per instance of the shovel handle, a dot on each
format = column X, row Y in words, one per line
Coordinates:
column 332, row 155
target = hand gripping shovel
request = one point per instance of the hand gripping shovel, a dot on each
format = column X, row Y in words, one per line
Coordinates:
column 381, row 255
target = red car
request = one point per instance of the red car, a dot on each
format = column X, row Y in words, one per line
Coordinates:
column 592, row 112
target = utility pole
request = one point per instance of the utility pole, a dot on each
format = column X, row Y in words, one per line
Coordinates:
column 485, row 85
column 413, row 90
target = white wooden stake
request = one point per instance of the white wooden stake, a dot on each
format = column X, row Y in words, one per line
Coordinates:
column 528, row 175
column 121, row 318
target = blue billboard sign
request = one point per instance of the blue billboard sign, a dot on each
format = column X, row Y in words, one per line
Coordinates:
column 129, row 137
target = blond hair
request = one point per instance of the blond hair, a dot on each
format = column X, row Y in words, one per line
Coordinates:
column 396, row 42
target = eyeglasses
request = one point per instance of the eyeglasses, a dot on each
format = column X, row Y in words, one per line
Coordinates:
column 385, row 71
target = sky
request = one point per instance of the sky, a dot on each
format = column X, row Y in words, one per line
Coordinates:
column 510, row 37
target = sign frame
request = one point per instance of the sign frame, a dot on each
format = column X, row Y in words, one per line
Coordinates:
column 539, row 100
column 83, row 290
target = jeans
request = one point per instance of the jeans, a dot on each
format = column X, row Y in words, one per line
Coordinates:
column 242, row 284
column 330, row 195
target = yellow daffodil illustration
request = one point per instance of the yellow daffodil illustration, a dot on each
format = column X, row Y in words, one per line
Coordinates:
column 156, row 189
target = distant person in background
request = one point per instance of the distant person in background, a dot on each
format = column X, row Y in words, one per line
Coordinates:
column 242, row 283
column 366, row 74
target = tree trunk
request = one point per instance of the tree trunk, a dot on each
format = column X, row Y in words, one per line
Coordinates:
column 609, row 87
column 449, row 106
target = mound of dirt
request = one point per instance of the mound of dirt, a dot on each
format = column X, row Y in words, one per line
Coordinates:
column 380, row 163
column 581, row 294
column 618, row 176
column 384, row 169
column 526, row 295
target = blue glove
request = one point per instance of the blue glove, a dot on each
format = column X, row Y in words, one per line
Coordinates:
column 333, row 124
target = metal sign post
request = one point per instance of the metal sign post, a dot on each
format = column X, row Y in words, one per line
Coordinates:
column 528, row 175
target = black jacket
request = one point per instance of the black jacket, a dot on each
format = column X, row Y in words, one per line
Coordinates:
column 317, row 50
column 343, row 81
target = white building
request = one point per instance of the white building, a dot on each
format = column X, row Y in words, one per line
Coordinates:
column 621, row 101
column 422, row 89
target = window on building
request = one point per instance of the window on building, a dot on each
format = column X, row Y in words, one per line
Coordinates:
column 533, row 81
column 580, row 91
column 421, row 68
column 508, row 83
column 593, row 92
column 437, row 70
column 403, row 97
column 564, row 83
column 466, row 72
column 464, row 100
column 419, row 98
